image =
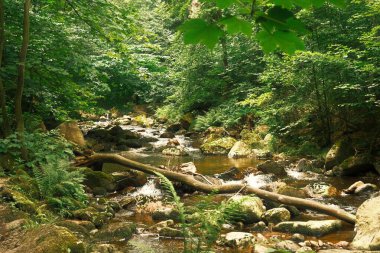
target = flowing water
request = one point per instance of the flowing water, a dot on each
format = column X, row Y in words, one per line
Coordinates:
column 209, row 165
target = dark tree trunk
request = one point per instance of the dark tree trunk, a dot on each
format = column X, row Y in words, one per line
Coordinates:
column 21, row 74
column 6, row 128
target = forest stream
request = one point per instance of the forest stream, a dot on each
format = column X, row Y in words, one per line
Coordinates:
column 145, row 241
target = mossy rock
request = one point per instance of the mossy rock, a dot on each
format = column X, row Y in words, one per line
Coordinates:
column 77, row 226
column 292, row 192
column 25, row 183
column 249, row 209
column 219, row 146
column 340, row 151
column 99, row 179
column 117, row 231
column 50, row 239
column 312, row 228
column 21, row 201
column 354, row 166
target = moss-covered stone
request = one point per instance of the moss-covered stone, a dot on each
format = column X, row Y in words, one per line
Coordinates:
column 340, row 151
column 218, row 146
column 99, row 179
column 312, row 228
column 250, row 209
column 21, row 201
column 77, row 226
column 50, row 239
column 117, row 231
column 354, row 165
column 276, row 215
column 292, row 191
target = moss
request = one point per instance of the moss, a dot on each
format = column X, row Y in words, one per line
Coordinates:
column 21, row 201
column 50, row 239
column 94, row 179
column 117, row 231
column 218, row 146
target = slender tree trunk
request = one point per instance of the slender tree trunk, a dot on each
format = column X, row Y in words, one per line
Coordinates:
column 230, row 188
column 21, row 67
column 5, row 126
column 21, row 73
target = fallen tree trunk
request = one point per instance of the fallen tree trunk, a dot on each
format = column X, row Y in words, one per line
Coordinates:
column 208, row 188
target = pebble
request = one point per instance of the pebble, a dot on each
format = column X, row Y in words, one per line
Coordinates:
column 298, row 238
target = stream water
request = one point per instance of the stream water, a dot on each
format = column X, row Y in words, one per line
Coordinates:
column 209, row 165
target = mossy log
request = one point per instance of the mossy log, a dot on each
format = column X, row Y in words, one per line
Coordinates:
column 208, row 188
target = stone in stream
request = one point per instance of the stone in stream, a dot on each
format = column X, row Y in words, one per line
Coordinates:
column 71, row 132
column 360, row 187
column 312, row 227
column 165, row 213
column 170, row 232
column 288, row 245
column 272, row 167
column 250, row 208
column 340, row 151
column 49, row 238
column 218, row 146
column 188, row 167
column 354, row 166
column 116, row 231
column 276, row 215
column 368, row 226
column 175, row 151
column 238, row 239
column 239, row 150
column 292, row 191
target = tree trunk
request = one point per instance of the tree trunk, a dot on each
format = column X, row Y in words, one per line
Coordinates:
column 208, row 188
column 21, row 74
column 5, row 126
column 21, row 68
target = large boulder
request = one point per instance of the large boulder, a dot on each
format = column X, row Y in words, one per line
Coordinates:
column 99, row 182
column 219, row 146
column 312, row 227
column 340, row 151
column 71, row 132
column 240, row 149
column 117, row 231
column 276, row 215
column 272, row 167
column 354, row 165
column 368, row 226
column 238, row 239
column 251, row 208
column 50, row 239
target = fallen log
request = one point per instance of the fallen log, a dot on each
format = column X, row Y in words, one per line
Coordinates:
column 208, row 188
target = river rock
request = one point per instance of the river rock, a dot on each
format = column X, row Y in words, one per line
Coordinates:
column 340, row 151
column 251, row 208
column 292, row 191
column 240, row 149
column 368, row 226
column 170, row 232
column 230, row 174
column 160, row 225
column 127, row 178
column 167, row 135
column 360, row 187
column 262, row 154
column 288, row 245
column 321, row 190
column 116, row 231
column 219, row 146
column 78, row 226
column 71, row 132
column 238, row 239
column 272, row 167
column 188, row 167
column 312, row 227
column 276, row 215
column 49, row 238
column 354, row 166
column 165, row 213
column 259, row 226
column 97, row 180
column 175, row 151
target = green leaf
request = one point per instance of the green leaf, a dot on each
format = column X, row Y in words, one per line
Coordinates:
column 235, row 25
column 266, row 41
column 223, row 4
column 339, row 3
column 296, row 25
column 199, row 31
column 286, row 41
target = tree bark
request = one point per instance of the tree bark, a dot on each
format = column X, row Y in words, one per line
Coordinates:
column 5, row 125
column 208, row 188
column 20, row 127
